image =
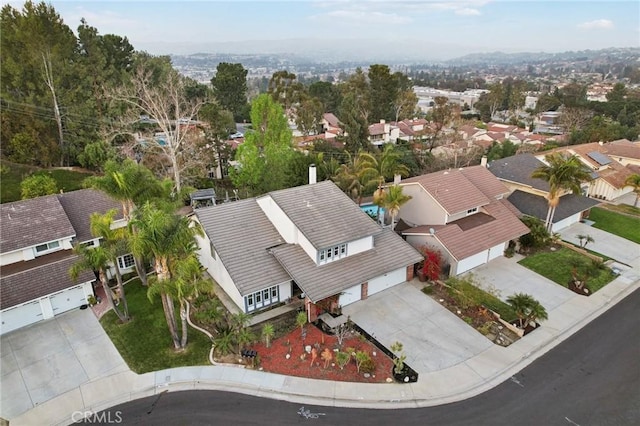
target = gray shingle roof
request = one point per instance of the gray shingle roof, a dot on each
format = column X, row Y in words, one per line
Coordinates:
column 79, row 205
column 241, row 234
column 518, row 168
column 318, row 282
column 537, row 206
column 42, row 279
column 324, row 214
column 29, row 222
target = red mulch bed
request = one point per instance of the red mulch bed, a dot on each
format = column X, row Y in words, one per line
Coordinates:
column 273, row 359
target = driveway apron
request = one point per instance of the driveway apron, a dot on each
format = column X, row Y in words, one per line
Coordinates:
column 50, row 358
column 610, row 245
column 433, row 338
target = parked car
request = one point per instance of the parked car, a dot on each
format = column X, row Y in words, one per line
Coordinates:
column 236, row 135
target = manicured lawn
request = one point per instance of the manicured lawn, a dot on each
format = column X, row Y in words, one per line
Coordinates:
column 481, row 297
column 12, row 175
column 618, row 224
column 557, row 266
column 145, row 342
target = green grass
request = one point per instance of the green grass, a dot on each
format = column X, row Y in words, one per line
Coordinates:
column 13, row 174
column 145, row 342
column 618, row 224
column 557, row 266
column 481, row 297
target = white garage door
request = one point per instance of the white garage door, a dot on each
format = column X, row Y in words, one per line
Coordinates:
column 67, row 300
column 20, row 316
column 471, row 262
column 350, row 295
column 496, row 251
column 378, row 284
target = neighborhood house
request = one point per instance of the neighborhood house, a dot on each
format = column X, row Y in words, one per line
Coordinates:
column 310, row 241
column 36, row 241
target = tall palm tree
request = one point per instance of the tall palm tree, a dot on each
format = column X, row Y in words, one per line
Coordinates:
column 527, row 308
column 186, row 283
column 563, row 173
column 383, row 167
column 355, row 175
column 113, row 241
column 393, row 199
column 132, row 185
column 634, row 181
column 166, row 238
column 96, row 259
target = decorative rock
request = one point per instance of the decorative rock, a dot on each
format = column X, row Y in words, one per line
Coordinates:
column 374, row 353
column 333, row 364
column 389, row 380
column 459, row 312
column 260, row 369
column 373, row 375
column 307, row 349
column 406, row 379
column 367, row 375
column 288, row 356
column 440, row 300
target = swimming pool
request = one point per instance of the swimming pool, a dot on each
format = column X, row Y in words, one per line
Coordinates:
column 371, row 209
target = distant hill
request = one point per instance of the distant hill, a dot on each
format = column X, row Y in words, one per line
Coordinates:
column 500, row 58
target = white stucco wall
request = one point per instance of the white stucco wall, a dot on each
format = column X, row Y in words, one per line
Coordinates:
column 13, row 257
column 279, row 219
column 358, row 246
column 350, row 295
column 421, row 209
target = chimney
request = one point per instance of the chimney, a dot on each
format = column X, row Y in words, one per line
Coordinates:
column 312, row 174
column 483, row 161
column 382, row 121
column 396, row 179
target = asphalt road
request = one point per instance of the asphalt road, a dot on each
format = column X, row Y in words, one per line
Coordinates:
column 592, row 378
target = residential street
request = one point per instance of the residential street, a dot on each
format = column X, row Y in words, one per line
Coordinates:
column 592, row 378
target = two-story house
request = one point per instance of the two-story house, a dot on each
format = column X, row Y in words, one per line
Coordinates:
column 529, row 195
column 36, row 240
column 310, row 240
column 462, row 213
column 383, row 132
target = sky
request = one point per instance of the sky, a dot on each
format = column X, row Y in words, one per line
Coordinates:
column 441, row 29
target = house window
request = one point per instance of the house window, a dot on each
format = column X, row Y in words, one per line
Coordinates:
column 45, row 248
column 472, row 211
column 333, row 253
column 126, row 261
column 261, row 299
column 89, row 244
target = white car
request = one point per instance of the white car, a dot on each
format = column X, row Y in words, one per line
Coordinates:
column 236, row 135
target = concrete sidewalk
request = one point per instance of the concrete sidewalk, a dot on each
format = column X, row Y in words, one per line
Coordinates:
column 471, row 377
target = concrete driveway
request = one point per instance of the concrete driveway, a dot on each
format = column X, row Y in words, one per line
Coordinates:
column 610, row 245
column 50, row 358
column 508, row 277
column 433, row 338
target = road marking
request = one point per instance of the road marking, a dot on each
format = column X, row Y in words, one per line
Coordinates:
column 516, row 381
column 571, row 421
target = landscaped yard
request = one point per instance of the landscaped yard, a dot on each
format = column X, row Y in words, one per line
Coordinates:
column 13, row 174
column 558, row 266
column 145, row 342
column 622, row 225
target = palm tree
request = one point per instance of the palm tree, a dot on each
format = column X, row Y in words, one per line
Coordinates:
column 383, row 167
column 96, row 259
column 634, row 181
column 267, row 333
column 563, row 174
column 355, row 175
column 527, row 308
column 393, row 199
column 167, row 239
column 584, row 240
column 131, row 184
column 185, row 284
column 114, row 243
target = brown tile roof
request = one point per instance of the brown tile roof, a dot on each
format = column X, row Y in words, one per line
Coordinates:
column 462, row 189
column 376, row 129
column 623, row 148
column 30, row 222
column 465, row 238
column 79, row 205
column 331, row 119
column 390, row 252
column 40, row 277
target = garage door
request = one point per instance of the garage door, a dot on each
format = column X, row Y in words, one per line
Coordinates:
column 20, row 316
column 67, row 300
column 496, row 251
column 471, row 262
column 378, row 284
column 350, row 295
